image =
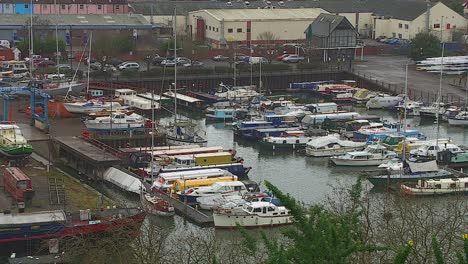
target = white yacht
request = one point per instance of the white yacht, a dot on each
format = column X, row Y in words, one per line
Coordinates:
column 91, row 106
column 430, row 111
column 384, row 101
column 461, row 119
column 254, row 214
column 373, row 155
column 331, row 145
column 116, row 121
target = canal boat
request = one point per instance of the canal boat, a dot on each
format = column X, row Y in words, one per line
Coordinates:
column 384, row 101
column 165, row 180
column 182, row 133
column 91, row 106
column 12, row 142
column 412, row 172
column 431, row 111
column 253, row 214
column 141, row 102
column 182, row 185
column 377, row 137
column 156, row 205
column 289, row 140
column 306, row 86
column 235, row 93
column 185, row 101
column 373, row 155
column 461, row 119
column 318, row 108
column 331, row 145
column 259, row 134
column 29, row 227
column 342, row 125
column 311, row 120
column 117, row 121
column 223, row 187
column 343, row 96
column 207, row 98
column 220, row 114
column 237, row 169
column 436, row 187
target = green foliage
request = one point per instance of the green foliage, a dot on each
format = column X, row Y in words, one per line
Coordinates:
column 319, row 235
column 424, row 45
column 463, row 258
column 168, row 46
column 437, row 252
column 403, row 253
column 308, row 66
column 119, row 44
column 222, row 69
column 130, row 73
column 46, row 45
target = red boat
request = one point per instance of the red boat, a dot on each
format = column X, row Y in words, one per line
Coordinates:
column 156, row 205
column 18, row 184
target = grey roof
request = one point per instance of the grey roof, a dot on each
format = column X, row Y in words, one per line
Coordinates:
column 107, row 21
column 400, row 9
column 326, row 23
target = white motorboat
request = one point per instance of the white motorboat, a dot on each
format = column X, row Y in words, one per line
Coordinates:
column 254, row 214
column 331, row 145
column 116, row 121
column 236, row 92
column 384, row 101
column 461, row 119
column 373, row 155
column 217, row 200
column 436, row 186
column 451, row 112
column 411, row 107
column 91, row 106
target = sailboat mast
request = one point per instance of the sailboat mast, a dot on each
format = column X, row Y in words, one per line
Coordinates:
column 90, row 39
column 152, row 135
column 440, row 94
column 56, row 38
column 466, row 92
column 405, row 108
column 175, row 64
column 31, row 40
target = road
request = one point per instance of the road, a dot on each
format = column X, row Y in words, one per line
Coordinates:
column 391, row 69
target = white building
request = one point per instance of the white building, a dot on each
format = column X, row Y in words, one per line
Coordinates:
column 256, row 26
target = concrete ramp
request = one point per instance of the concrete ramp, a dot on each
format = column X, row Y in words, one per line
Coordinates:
column 123, row 180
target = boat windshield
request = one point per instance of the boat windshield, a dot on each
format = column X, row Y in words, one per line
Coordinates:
column 247, row 208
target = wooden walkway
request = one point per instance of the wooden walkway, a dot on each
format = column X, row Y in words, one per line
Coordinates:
column 185, row 210
column 57, row 192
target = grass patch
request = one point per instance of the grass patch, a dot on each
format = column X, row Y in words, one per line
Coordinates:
column 78, row 195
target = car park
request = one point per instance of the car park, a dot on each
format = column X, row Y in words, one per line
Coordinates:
column 156, row 60
column 193, row 64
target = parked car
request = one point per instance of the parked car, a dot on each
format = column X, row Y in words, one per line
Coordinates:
column 129, row 65
column 95, row 66
column 109, row 68
column 182, row 60
column 240, row 56
column 115, row 62
column 194, row 64
column 293, row 58
column 282, row 56
column 156, row 60
column 168, row 63
column 220, row 58
column 379, row 38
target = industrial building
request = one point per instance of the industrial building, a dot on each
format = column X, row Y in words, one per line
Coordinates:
column 220, row 27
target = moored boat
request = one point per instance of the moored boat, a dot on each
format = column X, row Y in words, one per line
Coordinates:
column 331, row 145
column 156, row 205
column 373, row 155
column 91, row 106
column 117, row 121
column 12, row 142
column 254, row 214
column 461, row 119
column 290, row 140
column 384, row 101
column 184, row 133
column 436, row 187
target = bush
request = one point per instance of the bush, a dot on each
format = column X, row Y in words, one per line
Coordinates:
column 274, row 67
column 130, row 73
column 195, row 70
column 98, row 74
column 309, row 66
column 223, row 69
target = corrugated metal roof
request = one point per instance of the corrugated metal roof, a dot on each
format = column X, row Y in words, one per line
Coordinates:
column 264, row 14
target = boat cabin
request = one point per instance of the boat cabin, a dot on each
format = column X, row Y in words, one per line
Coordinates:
column 264, row 209
column 17, row 184
column 124, row 92
column 184, row 184
column 355, row 125
column 322, row 107
column 166, row 179
column 453, row 183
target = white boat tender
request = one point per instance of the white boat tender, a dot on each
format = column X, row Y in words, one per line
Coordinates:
column 331, row 145
column 254, row 214
column 373, row 155
column 116, row 121
column 436, row 186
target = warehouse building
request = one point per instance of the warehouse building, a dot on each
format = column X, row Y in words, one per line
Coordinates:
column 221, row 27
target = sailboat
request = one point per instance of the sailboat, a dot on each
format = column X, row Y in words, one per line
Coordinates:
column 182, row 132
column 461, row 119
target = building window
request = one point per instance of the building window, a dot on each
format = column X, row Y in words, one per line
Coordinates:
column 400, row 36
column 99, row 7
column 454, row 26
column 406, row 26
column 81, row 7
column 117, row 7
column 436, row 25
column 248, row 30
column 239, row 30
column 26, row 6
column 209, row 27
column 400, row 25
column 229, row 30
column 394, row 34
column 217, row 29
column 63, row 7
column 365, row 25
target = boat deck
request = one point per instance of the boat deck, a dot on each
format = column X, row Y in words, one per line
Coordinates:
column 185, row 210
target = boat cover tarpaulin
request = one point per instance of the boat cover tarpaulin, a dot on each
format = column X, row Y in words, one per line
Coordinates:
column 333, row 139
column 123, row 180
column 423, row 166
